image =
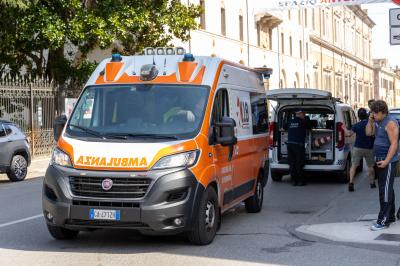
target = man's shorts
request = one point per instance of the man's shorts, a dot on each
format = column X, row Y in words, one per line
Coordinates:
column 358, row 154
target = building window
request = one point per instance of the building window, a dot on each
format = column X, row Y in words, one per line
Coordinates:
column 307, row 51
column 290, row 46
column 316, row 79
column 289, row 15
column 305, row 18
column 203, row 15
column 282, row 43
column 313, row 18
column 323, row 23
column 301, row 49
column 270, row 39
column 299, row 16
column 258, row 34
column 241, row 27
column 223, row 22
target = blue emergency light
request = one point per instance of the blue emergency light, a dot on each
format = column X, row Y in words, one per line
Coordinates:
column 188, row 58
column 116, row 58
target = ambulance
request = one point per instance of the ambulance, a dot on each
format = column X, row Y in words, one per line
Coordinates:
column 163, row 143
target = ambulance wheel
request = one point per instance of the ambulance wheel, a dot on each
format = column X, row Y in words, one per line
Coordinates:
column 207, row 219
column 255, row 202
column 61, row 233
column 277, row 177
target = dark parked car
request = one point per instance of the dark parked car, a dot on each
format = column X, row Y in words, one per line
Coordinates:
column 14, row 151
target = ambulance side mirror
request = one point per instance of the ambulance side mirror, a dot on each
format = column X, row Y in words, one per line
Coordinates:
column 59, row 124
column 227, row 132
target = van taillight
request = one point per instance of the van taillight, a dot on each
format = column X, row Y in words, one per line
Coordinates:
column 271, row 134
column 339, row 135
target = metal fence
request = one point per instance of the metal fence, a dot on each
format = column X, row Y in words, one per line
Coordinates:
column 31, row 104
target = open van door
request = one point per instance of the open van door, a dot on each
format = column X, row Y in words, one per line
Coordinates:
column 300, row 96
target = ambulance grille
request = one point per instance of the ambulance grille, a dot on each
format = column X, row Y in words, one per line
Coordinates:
column 122, row 187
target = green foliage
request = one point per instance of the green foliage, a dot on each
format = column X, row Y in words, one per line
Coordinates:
column 36, row 33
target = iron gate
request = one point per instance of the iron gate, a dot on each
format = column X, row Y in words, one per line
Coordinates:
column 30, row 104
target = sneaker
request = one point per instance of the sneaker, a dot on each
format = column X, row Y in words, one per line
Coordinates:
column 377, row 227
column 351, row 187
column 373, row 185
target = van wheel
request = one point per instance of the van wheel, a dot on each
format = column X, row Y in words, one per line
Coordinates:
column 61, row 233
column 207, row 219
column 277, row 177
column 18, row 169
column 345, row 176
column 255, row 202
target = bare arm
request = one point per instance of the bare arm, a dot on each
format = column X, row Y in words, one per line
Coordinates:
column 370, row 128
column 393, row 134
column 347, row 133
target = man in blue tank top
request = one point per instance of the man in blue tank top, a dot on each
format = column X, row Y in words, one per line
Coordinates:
column 386, row 132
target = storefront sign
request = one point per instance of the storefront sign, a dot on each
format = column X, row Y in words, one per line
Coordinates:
column 286, row 4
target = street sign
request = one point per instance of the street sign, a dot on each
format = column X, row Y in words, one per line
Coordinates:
column 394, row 15
column 395, row 36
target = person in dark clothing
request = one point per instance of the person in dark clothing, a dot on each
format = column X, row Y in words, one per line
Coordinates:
column 386, row 132
column 362, row 148
column 297, row 129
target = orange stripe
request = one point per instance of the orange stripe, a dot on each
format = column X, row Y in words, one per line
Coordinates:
column 66, row 147
column 112, row 70
column 186, row 70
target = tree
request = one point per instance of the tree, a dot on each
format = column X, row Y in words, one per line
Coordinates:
column 41, row 35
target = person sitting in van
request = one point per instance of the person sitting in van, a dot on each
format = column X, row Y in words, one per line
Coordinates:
column 297, row 130
column 363, row 148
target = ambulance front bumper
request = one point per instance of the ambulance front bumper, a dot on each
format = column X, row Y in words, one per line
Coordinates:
column 168, row 204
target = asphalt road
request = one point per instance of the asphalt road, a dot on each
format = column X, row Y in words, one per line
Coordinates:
column 244, row 239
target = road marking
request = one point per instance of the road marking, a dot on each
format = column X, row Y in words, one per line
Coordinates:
column 21, row 220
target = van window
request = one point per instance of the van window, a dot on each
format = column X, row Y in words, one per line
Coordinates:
column 259, row 112
column 8, row 129
column 220, row 108
column 347, row 119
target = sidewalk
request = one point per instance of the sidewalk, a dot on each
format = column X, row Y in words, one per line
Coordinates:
column 349, row 217
column 36, row 169
column 356, row 232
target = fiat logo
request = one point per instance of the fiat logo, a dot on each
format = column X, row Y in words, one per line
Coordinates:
column 107, row 184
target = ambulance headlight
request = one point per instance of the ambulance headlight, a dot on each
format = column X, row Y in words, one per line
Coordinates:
column 186, row 159
column 180, row 51
column 60, row 158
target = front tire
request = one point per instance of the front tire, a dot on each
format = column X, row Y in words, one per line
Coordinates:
column 18, row 169
column 255, row 202
column 61, row 233
column 207, row 219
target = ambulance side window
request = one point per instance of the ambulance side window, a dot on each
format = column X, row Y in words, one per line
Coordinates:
column 220, row 109
column 259, row 112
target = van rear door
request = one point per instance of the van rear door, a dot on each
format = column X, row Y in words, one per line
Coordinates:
column 301, row 97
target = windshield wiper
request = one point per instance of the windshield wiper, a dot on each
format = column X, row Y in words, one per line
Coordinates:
column 87, row 130
column 140, row 135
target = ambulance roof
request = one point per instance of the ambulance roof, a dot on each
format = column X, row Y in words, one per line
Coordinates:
column 172, row 69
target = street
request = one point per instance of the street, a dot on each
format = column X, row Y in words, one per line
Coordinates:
column 268, row 237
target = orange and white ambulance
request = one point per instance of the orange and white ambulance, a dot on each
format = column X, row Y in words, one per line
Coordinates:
column 163, row 143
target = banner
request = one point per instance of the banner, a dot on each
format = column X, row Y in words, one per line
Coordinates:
column 287, row 4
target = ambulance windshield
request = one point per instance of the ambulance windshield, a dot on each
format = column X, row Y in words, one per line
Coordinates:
column 148, row 111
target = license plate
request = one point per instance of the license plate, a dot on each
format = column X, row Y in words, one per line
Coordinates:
column 112, row 215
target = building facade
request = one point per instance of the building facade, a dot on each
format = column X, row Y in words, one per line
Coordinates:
column 386, row 82
column 324, row 48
